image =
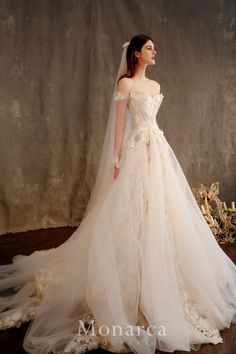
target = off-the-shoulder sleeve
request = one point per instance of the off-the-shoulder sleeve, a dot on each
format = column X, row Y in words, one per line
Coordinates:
column 118, row 96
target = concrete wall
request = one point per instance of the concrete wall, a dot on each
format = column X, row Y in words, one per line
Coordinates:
column 57, row 67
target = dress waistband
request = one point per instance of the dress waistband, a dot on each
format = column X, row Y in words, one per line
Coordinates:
column 152, row 130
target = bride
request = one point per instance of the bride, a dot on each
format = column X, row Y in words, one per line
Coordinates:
column 143, row 269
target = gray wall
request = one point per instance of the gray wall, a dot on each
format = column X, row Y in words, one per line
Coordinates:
column 57, row 67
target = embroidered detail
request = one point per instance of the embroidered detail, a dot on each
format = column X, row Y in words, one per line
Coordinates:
column 82, row 343
column 17, row 318
column 87, row 339
column 143, row 135
column 118, row 96
column 42, row 279
column 201, row 322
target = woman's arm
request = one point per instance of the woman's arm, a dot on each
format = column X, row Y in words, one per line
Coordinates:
column 121, row 107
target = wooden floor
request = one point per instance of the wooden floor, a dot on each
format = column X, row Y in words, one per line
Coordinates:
column 25, row 243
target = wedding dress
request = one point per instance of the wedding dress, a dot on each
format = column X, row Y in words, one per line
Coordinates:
column 147, row 261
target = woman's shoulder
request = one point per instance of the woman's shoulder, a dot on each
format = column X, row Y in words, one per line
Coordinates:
column 154, row 83
column 127, row 84
column 155, row 86
column 124, row 84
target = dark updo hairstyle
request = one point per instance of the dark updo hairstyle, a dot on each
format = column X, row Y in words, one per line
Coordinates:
column 135, row 44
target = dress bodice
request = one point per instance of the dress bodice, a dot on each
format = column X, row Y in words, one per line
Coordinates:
column 143, row 108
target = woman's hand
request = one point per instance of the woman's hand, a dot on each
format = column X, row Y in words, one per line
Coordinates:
column 116, row 171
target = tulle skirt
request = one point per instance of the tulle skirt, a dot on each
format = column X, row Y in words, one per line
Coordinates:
column 142, row 271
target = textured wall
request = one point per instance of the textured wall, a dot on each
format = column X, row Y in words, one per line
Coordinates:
column 57, row 65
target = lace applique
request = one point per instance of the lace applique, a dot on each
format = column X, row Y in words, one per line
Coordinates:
column 143, row 135
column 136, row 137
column 201, row 322
column 42, row 279
column 27, row 312
column 118, row 96
column 87, row 340
column 17, row 318
column 197, row 318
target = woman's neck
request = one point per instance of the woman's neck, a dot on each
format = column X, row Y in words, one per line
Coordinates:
column 140, row 72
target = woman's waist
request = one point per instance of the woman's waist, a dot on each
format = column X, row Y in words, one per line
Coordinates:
column 149, row 129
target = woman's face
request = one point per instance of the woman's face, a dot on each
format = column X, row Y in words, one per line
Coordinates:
column 147, row 55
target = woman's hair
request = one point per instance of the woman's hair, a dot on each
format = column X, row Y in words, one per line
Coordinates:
column 135, row 44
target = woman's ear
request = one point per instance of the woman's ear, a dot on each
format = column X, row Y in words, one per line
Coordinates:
column 136, row 53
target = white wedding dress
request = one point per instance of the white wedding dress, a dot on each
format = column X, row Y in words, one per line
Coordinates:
column 147, row 262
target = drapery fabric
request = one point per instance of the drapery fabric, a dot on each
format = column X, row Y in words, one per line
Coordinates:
column 57, row 67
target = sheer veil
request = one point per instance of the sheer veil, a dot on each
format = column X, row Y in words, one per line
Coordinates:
column 105, row 172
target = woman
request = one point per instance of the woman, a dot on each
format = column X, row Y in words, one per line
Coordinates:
column 143, row 270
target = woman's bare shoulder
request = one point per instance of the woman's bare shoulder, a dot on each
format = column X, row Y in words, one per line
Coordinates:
column 124, row 85
column 155, row 84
